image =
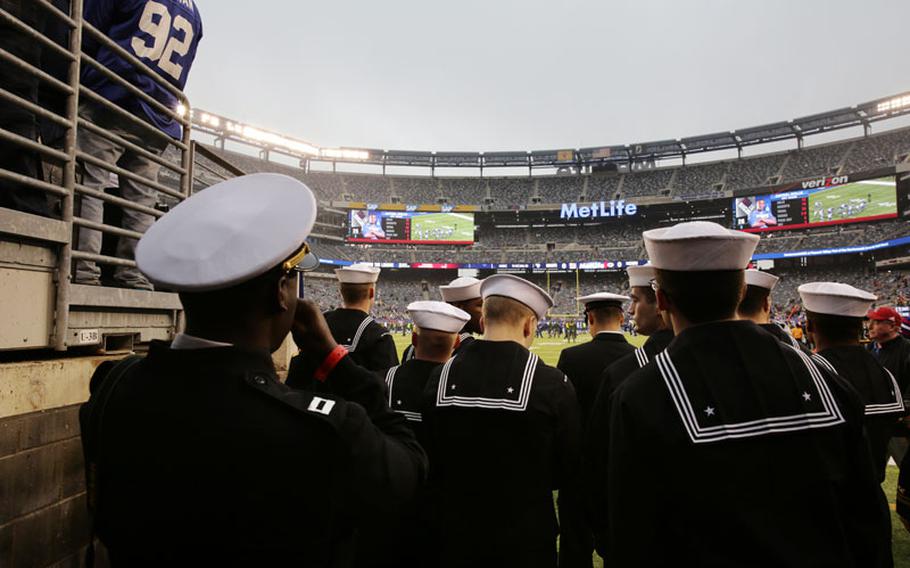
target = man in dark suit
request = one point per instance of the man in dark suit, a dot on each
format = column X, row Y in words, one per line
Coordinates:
column 584, row 364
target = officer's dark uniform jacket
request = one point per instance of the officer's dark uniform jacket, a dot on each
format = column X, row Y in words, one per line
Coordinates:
column 878, row 391
column 503, row 433
column 782, row 335
column 404, row 539
column 731, row 448
column 585, row 363
column 894, row 355
column 205, row 458
column 464, row 339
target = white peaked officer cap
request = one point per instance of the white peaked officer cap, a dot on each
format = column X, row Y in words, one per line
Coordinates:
column 229, row 233
column 699, row 246
column 517, row 289
column 836, row 299
column 761, row 279
column 604, row 298
column 357, row 274
column 438, row 316
column 640, row 275
column 461, row 289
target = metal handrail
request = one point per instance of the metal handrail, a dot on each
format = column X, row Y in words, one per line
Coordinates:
column 128, row 116
column 82, row 156
column 83, row 123
column 35, row 35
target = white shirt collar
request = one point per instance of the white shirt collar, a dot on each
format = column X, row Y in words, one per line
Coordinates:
column 184, row 341
column 609, row 331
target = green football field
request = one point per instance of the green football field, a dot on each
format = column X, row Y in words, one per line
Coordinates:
column 461, row 224
column 883, row 193
column 549, row 348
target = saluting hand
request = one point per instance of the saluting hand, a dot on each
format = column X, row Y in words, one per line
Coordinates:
column 311, row 332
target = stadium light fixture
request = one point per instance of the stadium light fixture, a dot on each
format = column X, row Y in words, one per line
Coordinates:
column 181, row 110
column 344, row 154
column 894, row 104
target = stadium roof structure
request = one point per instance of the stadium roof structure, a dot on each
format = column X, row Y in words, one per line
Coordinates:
column 223, row 128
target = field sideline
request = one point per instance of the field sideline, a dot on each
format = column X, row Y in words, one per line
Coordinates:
column 549, row 349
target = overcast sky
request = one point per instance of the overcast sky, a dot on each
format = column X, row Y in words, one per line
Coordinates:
column 519, row 75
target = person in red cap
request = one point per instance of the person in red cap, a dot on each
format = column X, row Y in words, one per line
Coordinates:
column 893, row 352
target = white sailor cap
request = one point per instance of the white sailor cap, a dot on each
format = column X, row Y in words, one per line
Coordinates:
column 640, row 275
column 517, row 289
column 461, row 289
column 438, row 316
column 699, row 246
column 230, row 233
column 359, row 273
column 836, row 299
column 604, row 298
column 761, row 279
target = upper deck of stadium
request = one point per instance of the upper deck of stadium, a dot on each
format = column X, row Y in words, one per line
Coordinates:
column 647, row 172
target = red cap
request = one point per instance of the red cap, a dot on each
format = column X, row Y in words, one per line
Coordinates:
column 885, row 313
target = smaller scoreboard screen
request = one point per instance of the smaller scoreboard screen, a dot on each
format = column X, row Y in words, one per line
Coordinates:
column 828, row 201
column 410, row 227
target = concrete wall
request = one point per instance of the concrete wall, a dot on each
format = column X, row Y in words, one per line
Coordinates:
column 43, row 515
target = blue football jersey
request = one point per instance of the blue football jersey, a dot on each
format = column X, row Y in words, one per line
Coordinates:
column 163, row 34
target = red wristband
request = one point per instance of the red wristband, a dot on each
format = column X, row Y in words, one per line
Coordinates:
column 330, row 362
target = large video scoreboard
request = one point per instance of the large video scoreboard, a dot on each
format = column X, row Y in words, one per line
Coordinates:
column 825, row 201
column 410, row 227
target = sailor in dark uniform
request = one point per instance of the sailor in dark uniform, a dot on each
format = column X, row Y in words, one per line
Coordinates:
column 834, row 314
column 584, row 364
column 756, row 306
column 503, row 433
column 464, row 294
column 196, row 454
column 730, row 447
column 893, row 352
column 407, row 539
column 370, row 345
column 649, row 321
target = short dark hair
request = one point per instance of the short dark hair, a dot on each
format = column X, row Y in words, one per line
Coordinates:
column 432, row 343
column 836, row 329
column 355, row 293
column 753, row 301
column 602, row 313
column 703, row 297
column 505, row 310
column 647, row 293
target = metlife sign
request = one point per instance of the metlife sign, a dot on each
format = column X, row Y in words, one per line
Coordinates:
column 598, row 209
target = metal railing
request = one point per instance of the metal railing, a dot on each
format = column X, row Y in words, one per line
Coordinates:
column 67, row 156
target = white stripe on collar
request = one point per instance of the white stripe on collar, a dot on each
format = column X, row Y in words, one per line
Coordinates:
column 829, row 416
column 895, row 406
column 363, row 325
column 520, row 404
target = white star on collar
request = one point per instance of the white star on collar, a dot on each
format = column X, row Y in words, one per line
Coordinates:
column 452, row 387
column 398, row 402
column 709, row 411
column 510, row 390
column 807, row 397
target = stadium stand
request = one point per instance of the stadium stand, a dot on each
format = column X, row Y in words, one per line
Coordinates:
column 753, row 172
column 700, row 180
column 560, row 188
column 823, row 160
column 511, row 193
column 416, row 190
column 647, row 183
